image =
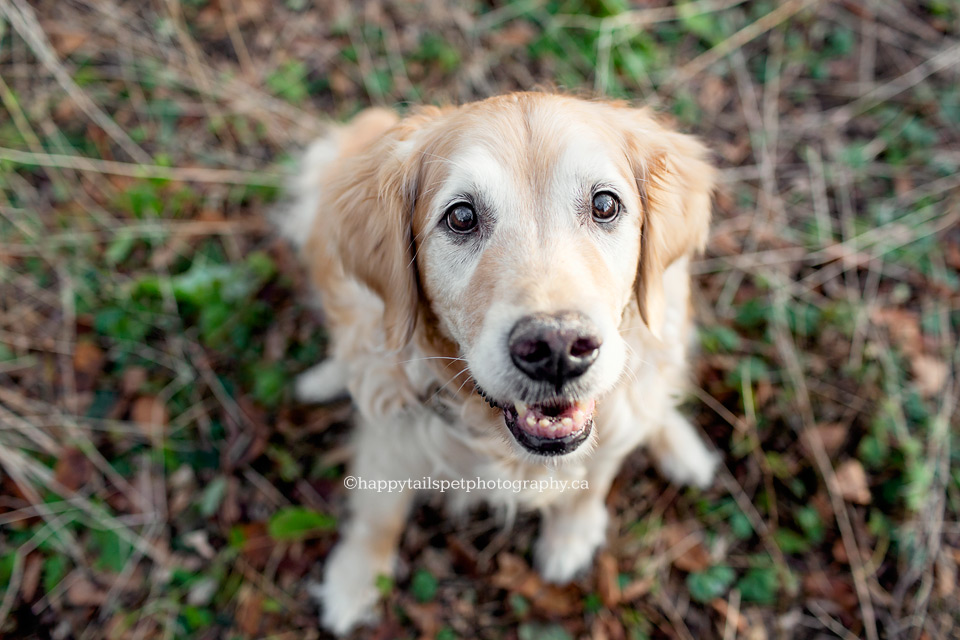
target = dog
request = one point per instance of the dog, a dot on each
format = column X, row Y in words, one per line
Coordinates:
column 506, row 287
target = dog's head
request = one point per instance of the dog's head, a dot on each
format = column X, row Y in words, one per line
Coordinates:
column 514, row 233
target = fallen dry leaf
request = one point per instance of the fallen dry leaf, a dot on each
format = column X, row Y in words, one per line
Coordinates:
column 119, row 627
column 249, row 610
column 513, row 574
column 73, row 469
column 598, row 631
column 831, row 435
column 132, row 380
column 636, row 589
column 714, row 94
column 83, row 593
column 952, row 254
column 607, row 627
column 150, row 414
column 904, row 328
column 65, row 41
column 722, row 607
column 87, row 358
column 340, row 83
column 257, row 544
column 946, row 573
column 836, row 588
column 685, row 546
column 902, row 184
column 230, row 509
column 852, row 482
column 31, row 577
column 697, row 558
column 517, row 34
column 756, row 630
column 608, row 580
column 930, row 373
column 425, row 616
column 839, row 551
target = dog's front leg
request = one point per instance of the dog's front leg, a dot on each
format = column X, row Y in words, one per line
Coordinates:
column 572, row 529
column 379, row 503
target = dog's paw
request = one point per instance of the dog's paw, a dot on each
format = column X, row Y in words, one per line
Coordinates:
column 697, row 466
column 321, row 383
column 342, row 611
column 348, row 595
column 568, row 541
column 681, row 454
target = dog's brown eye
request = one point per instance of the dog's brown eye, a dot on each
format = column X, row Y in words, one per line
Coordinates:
column 461, row 218
column 606, row 207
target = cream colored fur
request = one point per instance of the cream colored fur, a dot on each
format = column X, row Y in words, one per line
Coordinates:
column 416, row 319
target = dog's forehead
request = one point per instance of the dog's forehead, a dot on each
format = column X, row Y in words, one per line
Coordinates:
column 544, row 155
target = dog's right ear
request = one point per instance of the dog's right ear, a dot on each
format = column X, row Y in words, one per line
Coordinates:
column 371, row 196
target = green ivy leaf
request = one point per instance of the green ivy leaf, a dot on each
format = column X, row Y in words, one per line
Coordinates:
column 113, row 551
column 54, row 570
column 519, row 605
column 809, row 520
column 719, row 339
column 791, row 541
column 297, row 523
column 213, row 496
column 539, row 631
column 289, row 82
column 759, row 585
column 712, row 583
column 740, row 526
column 753, row 313
column 423, row 586
column 268, row 385
column 384, row 585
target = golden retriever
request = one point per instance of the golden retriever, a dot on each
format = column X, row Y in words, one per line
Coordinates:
column 506, row 286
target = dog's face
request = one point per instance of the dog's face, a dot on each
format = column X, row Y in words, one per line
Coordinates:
column 533, row 222
column 528, row 251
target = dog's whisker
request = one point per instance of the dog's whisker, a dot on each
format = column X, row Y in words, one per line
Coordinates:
column 431, row 358
column 628, row 371
column 463, row 384
column 447, row 383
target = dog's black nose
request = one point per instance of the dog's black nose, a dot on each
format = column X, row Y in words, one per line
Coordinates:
column 554, row 348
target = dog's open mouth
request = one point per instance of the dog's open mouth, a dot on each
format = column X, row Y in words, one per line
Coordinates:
column 550, row 430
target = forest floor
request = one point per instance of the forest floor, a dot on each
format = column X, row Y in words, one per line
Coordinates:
column 157, row 479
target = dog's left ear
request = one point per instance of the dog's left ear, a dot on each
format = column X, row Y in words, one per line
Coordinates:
column 675, row 182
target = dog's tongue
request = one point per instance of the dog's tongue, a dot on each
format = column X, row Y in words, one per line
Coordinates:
column 554, row 422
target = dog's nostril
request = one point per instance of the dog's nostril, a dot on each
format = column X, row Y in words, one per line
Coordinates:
column 532, row 350
column 584, row 347
column 554, row 348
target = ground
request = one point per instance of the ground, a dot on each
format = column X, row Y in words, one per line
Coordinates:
column 157, row 479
